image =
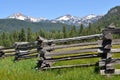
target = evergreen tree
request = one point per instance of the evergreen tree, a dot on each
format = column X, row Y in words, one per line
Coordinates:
column 5, row 39
column 80, row 30
column 89, row 29
column 42, row 33
column 64, row 32
column 73, row 31
column 22, row 35
column 29, row 35
column 15, row 35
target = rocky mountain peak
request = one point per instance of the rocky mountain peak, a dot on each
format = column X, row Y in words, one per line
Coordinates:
column 66, row 19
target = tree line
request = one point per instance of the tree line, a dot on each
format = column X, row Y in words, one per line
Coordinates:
column 8, row 39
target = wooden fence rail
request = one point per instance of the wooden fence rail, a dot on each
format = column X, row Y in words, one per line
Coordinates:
column 12, row 50
column 104, row 51
column 44, row 50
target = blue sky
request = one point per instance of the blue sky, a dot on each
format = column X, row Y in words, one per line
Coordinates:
column 54, row 8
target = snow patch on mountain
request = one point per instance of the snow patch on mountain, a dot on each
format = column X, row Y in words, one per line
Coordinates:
column 21, row 16
column 74, row 20
column 66, row 19
column 90, row 16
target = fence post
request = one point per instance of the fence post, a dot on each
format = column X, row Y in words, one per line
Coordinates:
column 21, row 48
column 106, row 57
column 41, row 54
column 16, row 53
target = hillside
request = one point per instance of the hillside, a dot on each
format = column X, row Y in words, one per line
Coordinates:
column 113, row 16
column 19, row 20
column 14, row 24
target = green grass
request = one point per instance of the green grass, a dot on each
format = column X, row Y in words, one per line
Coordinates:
column 24, row 70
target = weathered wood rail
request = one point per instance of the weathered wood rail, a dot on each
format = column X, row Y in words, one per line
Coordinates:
column 10, row 51
column 70, row 66
column 73, row 39
column 105, row 52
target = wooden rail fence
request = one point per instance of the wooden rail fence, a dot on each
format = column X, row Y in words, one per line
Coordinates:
column 44, row 50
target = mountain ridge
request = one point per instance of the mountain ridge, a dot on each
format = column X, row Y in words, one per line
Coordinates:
column 112, row 16
column 65, row 19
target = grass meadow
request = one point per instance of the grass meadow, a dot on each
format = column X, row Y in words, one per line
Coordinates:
column 24, row 70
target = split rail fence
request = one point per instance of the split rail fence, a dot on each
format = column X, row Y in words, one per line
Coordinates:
column 45, row 51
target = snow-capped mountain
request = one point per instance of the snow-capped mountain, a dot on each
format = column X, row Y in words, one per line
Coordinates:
column 73, row 20
column 90, row 19
column 21, row 16
column 66, row 19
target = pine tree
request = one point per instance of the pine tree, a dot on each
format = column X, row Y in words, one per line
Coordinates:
column 80, row 30
column 42, row 33
column 15, row 35
column 64, row 32
column 73, row 31
column 22, row 35
column 29, row 35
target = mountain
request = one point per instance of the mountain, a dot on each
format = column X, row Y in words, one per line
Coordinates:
column 112, row 16
column 74, row 20
column 8, row 25
column 66, row 19
column 19, row 20
column 21, row 16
